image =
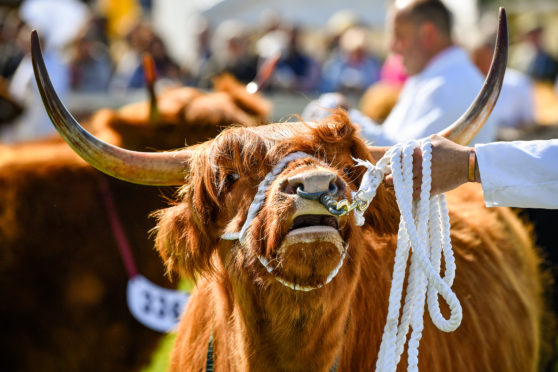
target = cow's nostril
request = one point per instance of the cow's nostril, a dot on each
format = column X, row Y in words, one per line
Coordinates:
column 332, row 190
column 289, row 188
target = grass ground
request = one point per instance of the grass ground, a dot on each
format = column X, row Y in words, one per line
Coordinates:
column 160, row 358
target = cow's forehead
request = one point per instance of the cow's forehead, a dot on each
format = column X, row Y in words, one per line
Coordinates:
column 254, row 141
column 248, row 146
column 260, row 137
column 278, row 132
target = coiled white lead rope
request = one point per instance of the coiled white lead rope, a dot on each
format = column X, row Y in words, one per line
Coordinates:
column 424, row 235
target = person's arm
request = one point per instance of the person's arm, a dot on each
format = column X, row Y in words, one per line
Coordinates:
column 377, row 152
column 520, row 174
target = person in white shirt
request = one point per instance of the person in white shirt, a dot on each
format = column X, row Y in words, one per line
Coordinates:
column 34, row 123
column 521, row 174
column 442, row 84
column 516, row 103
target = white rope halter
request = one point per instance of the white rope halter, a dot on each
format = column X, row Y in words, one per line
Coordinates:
column 257, row 204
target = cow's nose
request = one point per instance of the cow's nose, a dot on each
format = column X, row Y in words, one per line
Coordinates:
column 312, row 182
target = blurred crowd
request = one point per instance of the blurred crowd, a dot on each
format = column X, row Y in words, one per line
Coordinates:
column 346, row 60
column 99, row 62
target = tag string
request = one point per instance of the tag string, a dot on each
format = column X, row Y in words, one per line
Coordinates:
column 117, row 229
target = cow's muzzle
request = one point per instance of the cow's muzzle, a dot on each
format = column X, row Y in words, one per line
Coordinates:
column 322, row 186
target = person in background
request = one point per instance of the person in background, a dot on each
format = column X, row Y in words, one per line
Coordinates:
column 295, row 70
column 90, row 63
column 380, row 98
column 167, row 69
column 336, row 26
column 521, row 174
column 231, row 54
column 442, row 81
column 13, row 45
column 34, row 122
column 515, row 107
column 353, row 69
column 530, row 55
column 128, row 54
column 201, row 51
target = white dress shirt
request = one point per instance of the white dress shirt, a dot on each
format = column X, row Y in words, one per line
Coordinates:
column 520, row 174
column 430, row 101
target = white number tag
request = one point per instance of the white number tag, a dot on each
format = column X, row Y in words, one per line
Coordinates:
column 155, row 307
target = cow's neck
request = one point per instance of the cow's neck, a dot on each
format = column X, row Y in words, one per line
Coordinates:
column 283, row 330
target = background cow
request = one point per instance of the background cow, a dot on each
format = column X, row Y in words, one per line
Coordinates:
column 63, row 282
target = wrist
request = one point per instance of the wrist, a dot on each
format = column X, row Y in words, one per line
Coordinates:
column 473, row 167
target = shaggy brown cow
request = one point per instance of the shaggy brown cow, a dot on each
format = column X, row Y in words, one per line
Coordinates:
column 257, row 323
column 303, row 289
column 62, row 281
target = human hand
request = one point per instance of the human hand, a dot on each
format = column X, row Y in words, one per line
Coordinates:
column 450, row 167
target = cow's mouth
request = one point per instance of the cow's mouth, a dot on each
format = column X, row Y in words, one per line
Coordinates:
column 307, row 220
column 312, row 252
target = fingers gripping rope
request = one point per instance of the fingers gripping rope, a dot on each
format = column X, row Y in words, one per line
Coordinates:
column 424, row 236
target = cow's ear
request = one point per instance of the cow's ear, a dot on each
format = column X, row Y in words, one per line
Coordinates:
column 183, row 241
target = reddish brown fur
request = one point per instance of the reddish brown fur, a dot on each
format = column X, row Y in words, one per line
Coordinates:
column 259, row 325
column 63, row 283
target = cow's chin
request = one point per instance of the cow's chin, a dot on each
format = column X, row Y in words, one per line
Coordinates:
column 310, row 257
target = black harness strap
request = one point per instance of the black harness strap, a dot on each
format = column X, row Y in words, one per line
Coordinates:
column 209, row 363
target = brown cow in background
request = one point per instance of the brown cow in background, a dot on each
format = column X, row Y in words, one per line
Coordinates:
column 266, row 298
column 63, row 282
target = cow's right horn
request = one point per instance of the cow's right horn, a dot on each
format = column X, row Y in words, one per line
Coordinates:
column 146, row 168
column 464, row 129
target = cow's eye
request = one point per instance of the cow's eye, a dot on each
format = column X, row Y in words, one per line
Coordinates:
column 231, row 178
column 226, row 183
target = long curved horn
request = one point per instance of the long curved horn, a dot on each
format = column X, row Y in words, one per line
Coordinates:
column 464, row 129
column 145, row 168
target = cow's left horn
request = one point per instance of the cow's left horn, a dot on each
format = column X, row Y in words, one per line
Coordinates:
column 146, row 168
column 468, row 125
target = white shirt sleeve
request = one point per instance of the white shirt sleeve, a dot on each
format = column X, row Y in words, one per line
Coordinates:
column 519, row 174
